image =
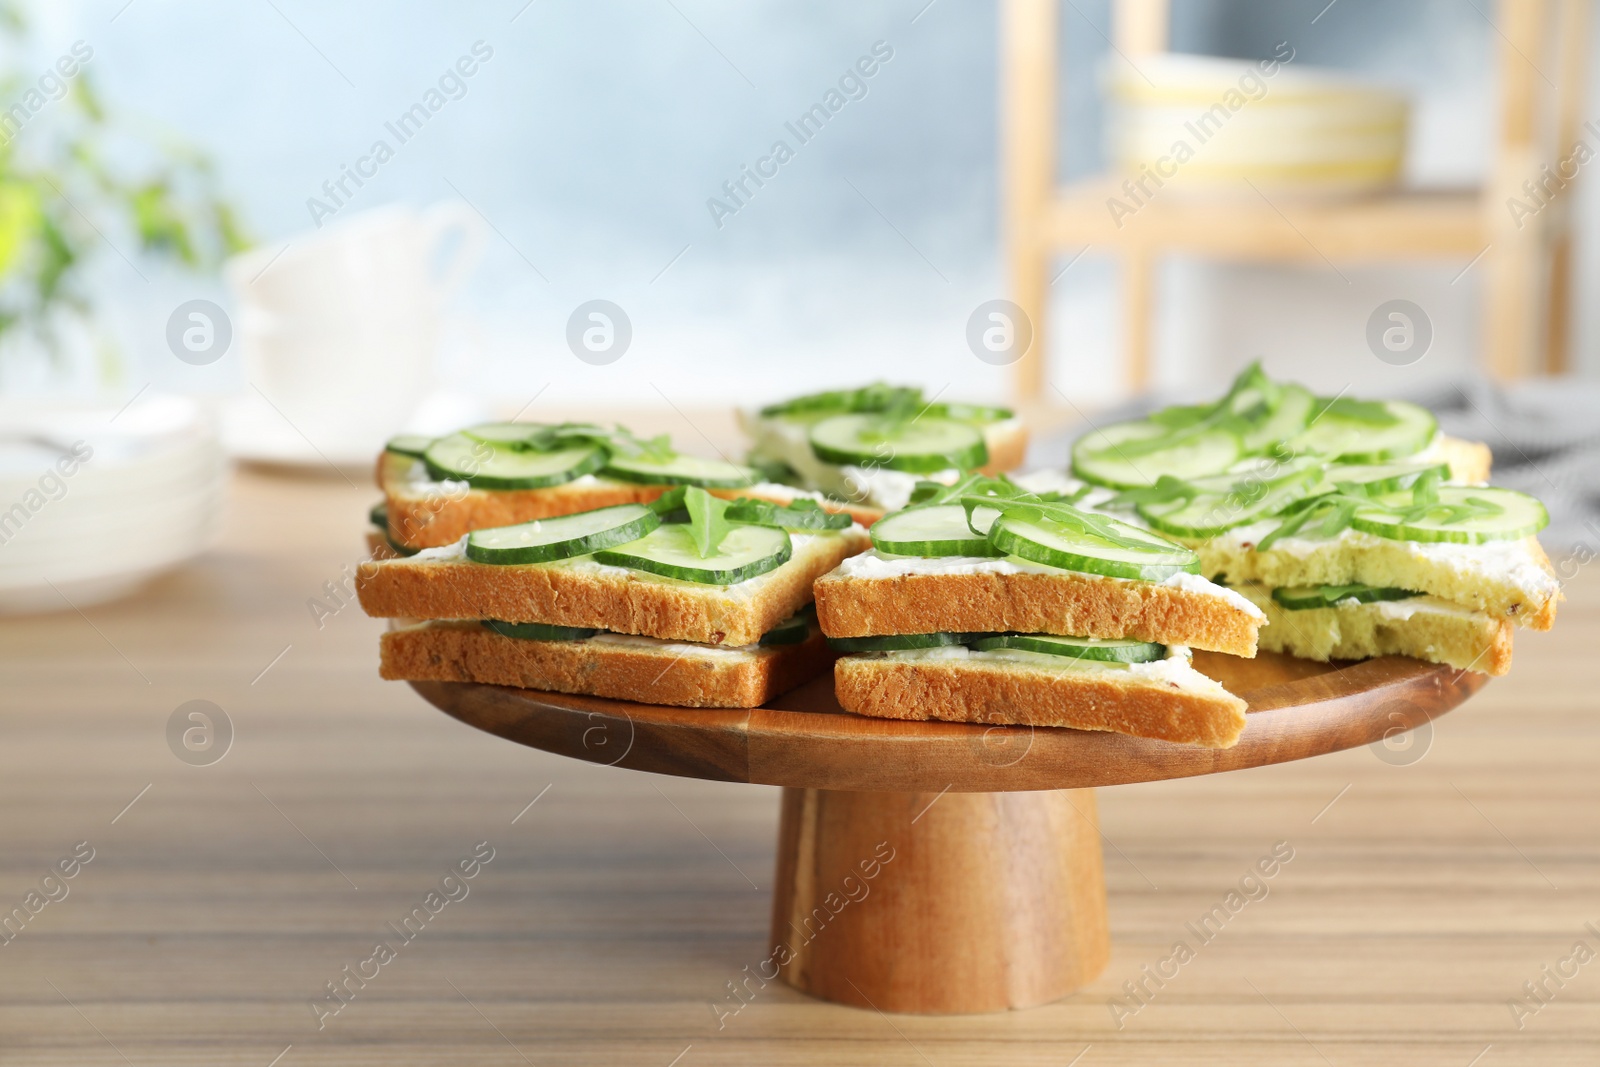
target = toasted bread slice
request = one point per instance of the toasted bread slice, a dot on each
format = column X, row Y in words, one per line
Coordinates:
column 871, row 594
column 876, row 492
column 444, row 584
column 1007, row 442
column 1469, row 460
column 1168, row 700
column 639, row 669
column 1422, row 627
column 424, row 513
column 378, row 546
column 1507, row 579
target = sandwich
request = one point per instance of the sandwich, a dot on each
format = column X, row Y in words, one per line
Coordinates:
column 437, row 490
column 984, row 603
column 690, row 600
column 1355, row 526
column 867, row 448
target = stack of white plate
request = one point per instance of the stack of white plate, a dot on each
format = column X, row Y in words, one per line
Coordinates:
column 1199, row 122
column 94, row 502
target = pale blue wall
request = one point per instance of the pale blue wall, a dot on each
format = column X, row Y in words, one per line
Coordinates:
column 594, row 136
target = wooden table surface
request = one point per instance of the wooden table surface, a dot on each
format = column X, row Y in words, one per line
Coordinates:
column 1421, row 893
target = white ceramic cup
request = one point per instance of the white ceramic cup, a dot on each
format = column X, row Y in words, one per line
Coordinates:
column 339, row 328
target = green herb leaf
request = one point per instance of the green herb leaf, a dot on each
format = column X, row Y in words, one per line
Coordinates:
column 708, row 522
column 879, row 396
column 800, row 515
column 1372, row 412
column 668, row 502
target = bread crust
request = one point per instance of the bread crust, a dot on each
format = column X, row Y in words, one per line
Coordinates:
column 433, row 518
column 1065, row 603
column 1469, row 460
column 1007, row 443
column 1473, row 641
column 888, row 689
column 616, row 599
column 1396, row 564
column 459, row 651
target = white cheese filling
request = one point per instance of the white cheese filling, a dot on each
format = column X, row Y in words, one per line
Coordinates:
column 652, row 644
column 1176, row 668
column 789, row 440
column 873, row 564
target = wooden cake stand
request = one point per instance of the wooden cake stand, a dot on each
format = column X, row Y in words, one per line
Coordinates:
column 944, row 867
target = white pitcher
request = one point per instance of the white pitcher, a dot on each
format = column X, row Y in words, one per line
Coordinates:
column 338, row 329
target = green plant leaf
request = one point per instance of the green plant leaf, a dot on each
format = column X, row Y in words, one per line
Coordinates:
column 708, row 522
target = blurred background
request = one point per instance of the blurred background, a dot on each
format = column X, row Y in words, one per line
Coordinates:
column 592, row 165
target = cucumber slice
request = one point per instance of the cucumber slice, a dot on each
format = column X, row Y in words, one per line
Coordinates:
column 1229, row 500
column 547, row 540
column 1287, row 419
column 414, row 445
column 1109, row 650
column 973, row 414
column 939, row 530
column 1376, row 479
column 791, row 631
column 502, row 433
column 1308, row 597
column 879, row 396
column 1463, row 515
column 681, row 470
column 900, row 642
column 918, row 446
column 1363, row 432
column 485, row 466
column 1130, row 455
column 1152, row 558
column 670, row 551
column 379, row 515
column 539, row 631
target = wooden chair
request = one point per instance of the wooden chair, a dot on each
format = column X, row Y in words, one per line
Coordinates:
column 1526, row 272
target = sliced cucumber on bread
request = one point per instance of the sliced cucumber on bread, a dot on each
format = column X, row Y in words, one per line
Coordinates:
column 670, row 551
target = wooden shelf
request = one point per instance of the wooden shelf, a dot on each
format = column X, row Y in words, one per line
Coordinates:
column 1247, row 226
column 1526, row 274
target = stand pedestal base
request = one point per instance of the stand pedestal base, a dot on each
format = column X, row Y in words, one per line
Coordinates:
column 939, row 904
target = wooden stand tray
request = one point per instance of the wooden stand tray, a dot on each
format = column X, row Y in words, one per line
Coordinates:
column 994, row 897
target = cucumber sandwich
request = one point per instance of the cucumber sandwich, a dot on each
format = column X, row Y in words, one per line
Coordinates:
column 689, row 600
column 1354, row 525
column 868, row 447
column 436, row 490
column 982, row 602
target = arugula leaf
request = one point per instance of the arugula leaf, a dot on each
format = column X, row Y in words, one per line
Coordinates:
column 1371, row 412
column 708, row 522
column 668, row 502
column 1167, row 487
column 879, row 396
column 801, row 514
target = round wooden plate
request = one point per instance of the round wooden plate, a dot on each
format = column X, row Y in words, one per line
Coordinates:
column 947, row 867
column 804, row 740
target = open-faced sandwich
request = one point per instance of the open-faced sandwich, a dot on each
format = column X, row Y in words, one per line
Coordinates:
column 437, row 490
column 867, row 448
column 1354, row 525
column 984, row 603
column 690, row 600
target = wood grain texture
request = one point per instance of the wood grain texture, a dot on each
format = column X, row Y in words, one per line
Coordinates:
column 939, row 903
column 612, row 919
column 803, row 739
